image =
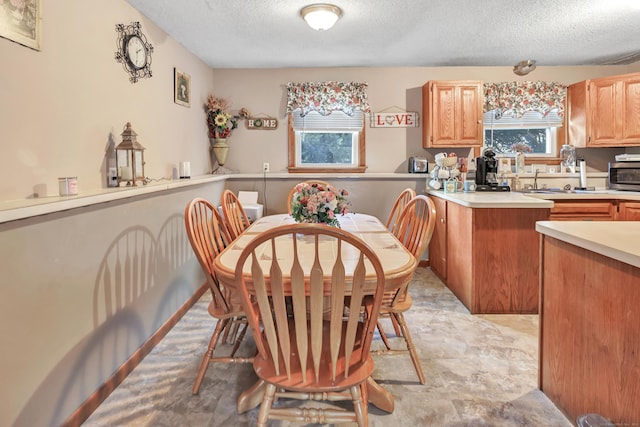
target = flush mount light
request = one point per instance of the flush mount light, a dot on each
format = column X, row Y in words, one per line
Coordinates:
column 321, row 16
column 523, row 68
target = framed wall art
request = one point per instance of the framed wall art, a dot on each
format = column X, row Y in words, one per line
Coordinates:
column 181, row 88
column 20, row 22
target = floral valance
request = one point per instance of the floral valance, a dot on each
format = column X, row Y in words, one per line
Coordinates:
column 325, row 97
column 520, row 97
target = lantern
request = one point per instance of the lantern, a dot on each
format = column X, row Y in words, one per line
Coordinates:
column 130, row 158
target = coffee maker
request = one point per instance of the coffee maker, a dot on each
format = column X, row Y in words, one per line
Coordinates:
column 487, row 172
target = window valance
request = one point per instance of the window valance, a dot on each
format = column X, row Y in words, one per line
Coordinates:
column 325, row 97
column 520, row 97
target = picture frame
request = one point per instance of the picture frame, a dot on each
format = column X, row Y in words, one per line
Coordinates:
column 21, row 23
column 181, row 88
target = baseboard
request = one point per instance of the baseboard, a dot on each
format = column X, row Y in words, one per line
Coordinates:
column 423, row 263
column 87, row 408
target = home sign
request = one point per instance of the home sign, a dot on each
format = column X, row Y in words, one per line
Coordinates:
column 262, row 123
column 394, row 120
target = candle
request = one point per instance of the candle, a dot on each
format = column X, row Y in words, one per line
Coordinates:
column 125, row 173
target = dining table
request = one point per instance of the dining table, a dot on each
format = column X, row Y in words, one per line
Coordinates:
column 398, row 264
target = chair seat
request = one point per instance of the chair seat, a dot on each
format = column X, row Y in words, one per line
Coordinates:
column 358, row 372
column 398, row 307
column 217, row 311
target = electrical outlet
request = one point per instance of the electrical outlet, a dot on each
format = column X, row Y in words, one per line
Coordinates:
column 265, row 167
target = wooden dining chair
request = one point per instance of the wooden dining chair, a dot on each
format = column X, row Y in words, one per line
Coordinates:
column 208, row 236
column 293, row 190
column 392, row 221
column 234, row 215
column 399, row 204
column 414, row 229
column 308, row 348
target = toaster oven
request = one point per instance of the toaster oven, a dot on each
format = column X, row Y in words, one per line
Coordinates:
column 418, row 165
column 624, row 176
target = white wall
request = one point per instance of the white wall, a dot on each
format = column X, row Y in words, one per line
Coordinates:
column 70, row 314
column 263, row 92
column 81, row 291
column 60, row 105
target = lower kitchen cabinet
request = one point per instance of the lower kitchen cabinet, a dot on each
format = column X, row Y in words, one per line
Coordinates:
column 490, row 256
column 629, row 211
column 589, row 333
column 589, row 210
column 438, row 242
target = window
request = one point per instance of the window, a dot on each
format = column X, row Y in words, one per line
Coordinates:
column 331, row 142
column 533, row 134
column 326, row 126
column 524, row 116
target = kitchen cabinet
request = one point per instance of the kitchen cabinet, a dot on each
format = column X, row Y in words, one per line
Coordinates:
column 603, row 112
column 452, row 113
column 490, row 256
column 438, row 242
column 589, row 332
column 584, row 210
column 629, row 211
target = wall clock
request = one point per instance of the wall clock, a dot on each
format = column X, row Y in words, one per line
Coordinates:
column 134, row 52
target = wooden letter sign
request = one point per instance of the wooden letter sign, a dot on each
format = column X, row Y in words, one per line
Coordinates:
column 394, row 120
column 262, row 123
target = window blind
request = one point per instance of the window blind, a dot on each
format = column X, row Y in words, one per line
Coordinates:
column 530, row 119
column 337, row 120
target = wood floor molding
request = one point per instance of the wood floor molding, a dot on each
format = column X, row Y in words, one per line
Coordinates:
column 83, row 412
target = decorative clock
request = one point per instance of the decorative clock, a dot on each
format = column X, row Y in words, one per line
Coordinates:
column 134, row 52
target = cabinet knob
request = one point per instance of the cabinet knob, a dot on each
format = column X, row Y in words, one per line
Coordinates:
column 442, row 220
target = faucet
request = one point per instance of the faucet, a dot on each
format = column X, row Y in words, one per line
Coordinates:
column 535, row 179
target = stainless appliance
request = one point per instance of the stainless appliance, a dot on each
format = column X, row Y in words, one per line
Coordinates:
column 418, row 165
column 624, row 176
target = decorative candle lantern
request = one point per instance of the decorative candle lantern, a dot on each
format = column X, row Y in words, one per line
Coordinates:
column 130, row 158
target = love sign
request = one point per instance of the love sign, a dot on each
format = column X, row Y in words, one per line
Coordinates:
column 394, row 120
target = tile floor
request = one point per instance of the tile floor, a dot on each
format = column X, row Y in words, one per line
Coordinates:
column 481, row 370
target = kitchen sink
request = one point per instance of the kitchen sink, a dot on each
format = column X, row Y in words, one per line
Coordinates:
column 548, row 191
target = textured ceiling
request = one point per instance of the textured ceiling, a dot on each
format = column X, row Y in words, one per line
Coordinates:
column 380, row 33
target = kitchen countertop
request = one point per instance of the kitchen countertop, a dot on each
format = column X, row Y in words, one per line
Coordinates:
column 514, row 199
column 614, row 239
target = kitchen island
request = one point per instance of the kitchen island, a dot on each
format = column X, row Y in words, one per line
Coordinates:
column 486, row 250
column 485, row 247
column 590, row 318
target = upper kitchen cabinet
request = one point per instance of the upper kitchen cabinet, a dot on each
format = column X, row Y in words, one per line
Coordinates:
column 452, row 112
column 605, row 112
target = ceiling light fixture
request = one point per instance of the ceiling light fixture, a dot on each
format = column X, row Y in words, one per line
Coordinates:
column 321, row 17
column 523, row 68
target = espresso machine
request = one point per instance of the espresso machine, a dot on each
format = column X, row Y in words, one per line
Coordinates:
column 487, row 172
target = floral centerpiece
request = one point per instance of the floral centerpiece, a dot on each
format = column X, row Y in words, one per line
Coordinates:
column 220, row 121
column 521, row 147
column 316, row 204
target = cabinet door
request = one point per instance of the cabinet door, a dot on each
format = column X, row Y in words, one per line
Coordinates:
column 583, row 211
column 614, row 111
column 469, row 114
column 629, row 211
column 453, row 113
column 438, row 243
column 630, row 114
column 603, row 113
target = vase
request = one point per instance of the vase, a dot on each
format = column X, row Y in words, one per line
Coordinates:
column 220, row 149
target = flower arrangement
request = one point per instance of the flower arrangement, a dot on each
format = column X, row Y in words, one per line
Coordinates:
column 316, row 204
column 220, row 121
column 521, row 147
